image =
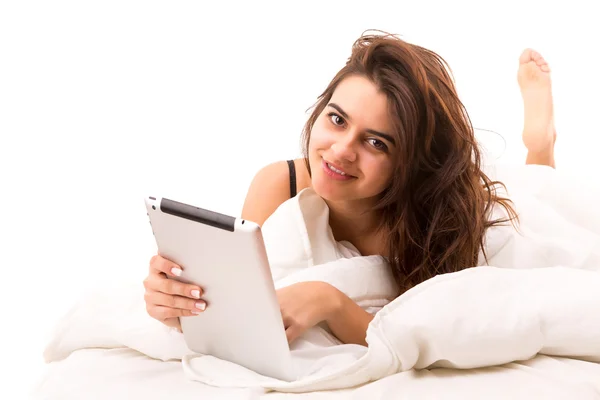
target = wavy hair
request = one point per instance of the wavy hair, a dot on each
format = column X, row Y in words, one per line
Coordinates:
column 438, row 205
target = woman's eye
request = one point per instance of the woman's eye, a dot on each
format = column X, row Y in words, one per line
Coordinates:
column 378, row 144
column 336, row 119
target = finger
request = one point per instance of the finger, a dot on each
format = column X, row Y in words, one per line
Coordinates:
column 162, row 313
column 292, row 333
column 287, row 322
column 173, row 301
column 160, row 264
column 173, row 323
column 171, row 286
column 159, row 283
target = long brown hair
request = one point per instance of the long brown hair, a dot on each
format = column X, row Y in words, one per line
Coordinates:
column 438, row 206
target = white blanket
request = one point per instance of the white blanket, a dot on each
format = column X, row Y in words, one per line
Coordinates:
column 540, row 297
column 125, row 374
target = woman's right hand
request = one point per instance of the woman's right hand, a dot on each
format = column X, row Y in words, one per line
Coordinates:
column 168, row 299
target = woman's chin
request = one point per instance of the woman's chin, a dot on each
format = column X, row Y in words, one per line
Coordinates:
column 328, row 191
column 333, row 192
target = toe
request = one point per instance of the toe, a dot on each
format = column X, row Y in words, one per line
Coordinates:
column 537, row 57
column 529, row 55
column 526, row 56
column 541, row 62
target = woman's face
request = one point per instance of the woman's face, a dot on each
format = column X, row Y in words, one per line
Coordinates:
column 352, row 143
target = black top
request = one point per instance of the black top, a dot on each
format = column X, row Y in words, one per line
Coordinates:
column 292, row 168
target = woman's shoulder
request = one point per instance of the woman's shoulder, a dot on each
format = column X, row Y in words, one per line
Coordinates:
column 302, row 176
column 270, row 187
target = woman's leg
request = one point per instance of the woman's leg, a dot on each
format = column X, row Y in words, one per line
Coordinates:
column 539, row 134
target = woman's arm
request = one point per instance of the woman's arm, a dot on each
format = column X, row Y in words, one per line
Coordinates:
column 348, row 321
column 305, row 304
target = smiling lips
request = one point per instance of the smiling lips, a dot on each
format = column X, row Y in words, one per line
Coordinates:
column 335, row 172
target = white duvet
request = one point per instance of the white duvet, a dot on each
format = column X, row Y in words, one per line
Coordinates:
column 539, row 297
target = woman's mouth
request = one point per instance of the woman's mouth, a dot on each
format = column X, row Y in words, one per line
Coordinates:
column 335, row 172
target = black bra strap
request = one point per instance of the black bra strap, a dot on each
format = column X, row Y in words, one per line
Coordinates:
column 292, row 168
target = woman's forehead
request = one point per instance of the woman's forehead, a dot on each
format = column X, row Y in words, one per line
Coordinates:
column 364, row 103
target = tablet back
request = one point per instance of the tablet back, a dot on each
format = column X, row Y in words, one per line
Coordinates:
column 226, row 257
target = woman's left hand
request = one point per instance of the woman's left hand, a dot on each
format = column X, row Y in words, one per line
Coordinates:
column 305, row 304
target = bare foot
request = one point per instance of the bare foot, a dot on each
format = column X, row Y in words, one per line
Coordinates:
column 539, row 134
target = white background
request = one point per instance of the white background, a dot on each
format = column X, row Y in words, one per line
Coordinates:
column 103, row 103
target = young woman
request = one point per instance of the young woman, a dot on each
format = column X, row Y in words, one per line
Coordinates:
column 390, row 148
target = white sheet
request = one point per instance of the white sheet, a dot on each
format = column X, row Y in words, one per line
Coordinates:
column 540, row 297
column 124, row 374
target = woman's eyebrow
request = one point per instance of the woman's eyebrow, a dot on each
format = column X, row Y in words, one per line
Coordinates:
column 385, row 136
column 339, row 109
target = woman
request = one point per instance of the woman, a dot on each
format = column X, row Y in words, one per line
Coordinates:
column 391, row 150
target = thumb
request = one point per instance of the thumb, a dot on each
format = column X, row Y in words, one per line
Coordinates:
column 293, row 332
column 174, row 323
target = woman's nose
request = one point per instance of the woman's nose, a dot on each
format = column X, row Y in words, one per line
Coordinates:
column 343, row 148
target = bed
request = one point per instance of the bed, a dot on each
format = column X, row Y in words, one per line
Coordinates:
column 526, row 324
column 124, row 373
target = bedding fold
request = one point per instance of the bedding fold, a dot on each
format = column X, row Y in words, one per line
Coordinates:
column 537, row 294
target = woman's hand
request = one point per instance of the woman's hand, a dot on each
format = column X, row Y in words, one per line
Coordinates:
column 167, row 299
column 305, row 304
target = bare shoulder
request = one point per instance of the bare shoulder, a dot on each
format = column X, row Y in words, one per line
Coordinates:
column 302, row 175
column 270, row 187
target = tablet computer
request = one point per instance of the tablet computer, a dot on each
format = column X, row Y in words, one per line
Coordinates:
column 226, row 257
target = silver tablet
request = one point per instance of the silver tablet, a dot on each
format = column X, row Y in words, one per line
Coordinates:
column 226, row 257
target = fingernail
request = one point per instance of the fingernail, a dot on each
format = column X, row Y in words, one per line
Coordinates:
column 196, row 312
column 196, row 294
column 176, row 271
column 201, row 306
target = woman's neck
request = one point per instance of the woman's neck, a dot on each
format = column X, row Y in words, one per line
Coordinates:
column 351, row 221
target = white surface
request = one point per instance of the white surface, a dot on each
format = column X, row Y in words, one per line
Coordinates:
column 134, row 376
column 300, row 246
column 89, row 94
column 538, row 296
